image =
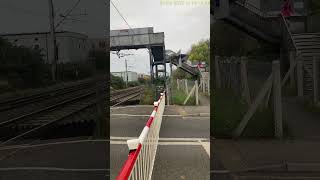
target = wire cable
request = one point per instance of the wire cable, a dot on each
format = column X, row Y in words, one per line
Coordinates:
column 121, row 15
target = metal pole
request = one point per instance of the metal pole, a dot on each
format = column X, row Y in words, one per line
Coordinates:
column 277, row 107
column 125, row 60
column 53, row 41
column 151, row 64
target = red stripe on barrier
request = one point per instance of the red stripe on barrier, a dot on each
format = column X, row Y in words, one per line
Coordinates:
column 132, row 157
column 128, row 166
column 149, row 122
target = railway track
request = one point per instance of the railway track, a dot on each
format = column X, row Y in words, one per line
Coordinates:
column 120, row 96
column 64, row 104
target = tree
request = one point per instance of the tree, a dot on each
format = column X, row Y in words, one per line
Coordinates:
column 116, row 82
column 314, row 7
column 180, row 74
column 101, row 59
column 22, row 67
column 200, row 51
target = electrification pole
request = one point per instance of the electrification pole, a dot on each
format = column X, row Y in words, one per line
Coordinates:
column 53, row 41
column 126, row 72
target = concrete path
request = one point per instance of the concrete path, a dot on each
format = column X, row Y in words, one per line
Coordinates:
column 204, row 100
column 301, row 124
column 265, row 154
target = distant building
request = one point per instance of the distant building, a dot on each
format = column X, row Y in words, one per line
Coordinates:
column 132, row 76
column 72, row 47
column 144, row 76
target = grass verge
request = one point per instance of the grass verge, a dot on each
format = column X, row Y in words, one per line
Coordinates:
column 179, row 96
column 228, row 110
column 147, row 96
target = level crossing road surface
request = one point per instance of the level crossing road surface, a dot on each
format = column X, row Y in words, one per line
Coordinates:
column 184, row 148
column 64, row 159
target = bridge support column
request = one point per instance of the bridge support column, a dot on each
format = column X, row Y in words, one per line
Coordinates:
column 151, row 64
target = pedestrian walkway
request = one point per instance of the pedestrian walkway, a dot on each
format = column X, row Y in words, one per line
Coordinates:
column 297, row 152
column 263, row 154
column 301, row 123
column 204, row 100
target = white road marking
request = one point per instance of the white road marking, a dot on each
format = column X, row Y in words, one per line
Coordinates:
column 122, row 107
column 206, row 146
column 220, row 171
column 162, row 139
column 169, row 141
column 162, row 143
column 50, row 169
column 49, row 144
column 144, row 115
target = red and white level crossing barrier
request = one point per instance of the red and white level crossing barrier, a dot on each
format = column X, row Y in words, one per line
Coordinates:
column 140, row 161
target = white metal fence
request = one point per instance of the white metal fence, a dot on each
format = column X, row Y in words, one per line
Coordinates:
column 140, row 162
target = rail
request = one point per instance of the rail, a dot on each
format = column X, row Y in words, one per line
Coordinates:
column 121, row 96
column 140, row 161
column 46, row 116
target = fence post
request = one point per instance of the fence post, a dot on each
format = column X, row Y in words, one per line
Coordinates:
column 315, row 80
column 292, row 61
column 178, row 87
column 197, row 92
column 244, row 79
column 168, row 93
column 208, row 85
column 277, row 106
column 203, row 85
column 300, row 77
column 217, row 71
column 186, row 85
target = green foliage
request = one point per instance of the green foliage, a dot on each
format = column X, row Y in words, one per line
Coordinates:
column 181, row 74
column 22, row 67
column 116, row 82
column 73, row 71
column 179, row 97
column 143, row 81
column 133, row 83
column 315, row 6
column 147, row 97
column 200, row 51
column 101, row 59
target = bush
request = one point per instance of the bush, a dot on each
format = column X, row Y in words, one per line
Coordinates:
column 116, row 82
column 22, row 67
column 179, row 97
column 147, row 97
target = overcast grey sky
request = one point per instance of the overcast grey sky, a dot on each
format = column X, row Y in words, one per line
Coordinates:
column 183, row 26
column 18, row 16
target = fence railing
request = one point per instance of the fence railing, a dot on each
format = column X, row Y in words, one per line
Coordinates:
column 191, row 88
column 271, row 88
column 140, row 161
column 225, row 74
